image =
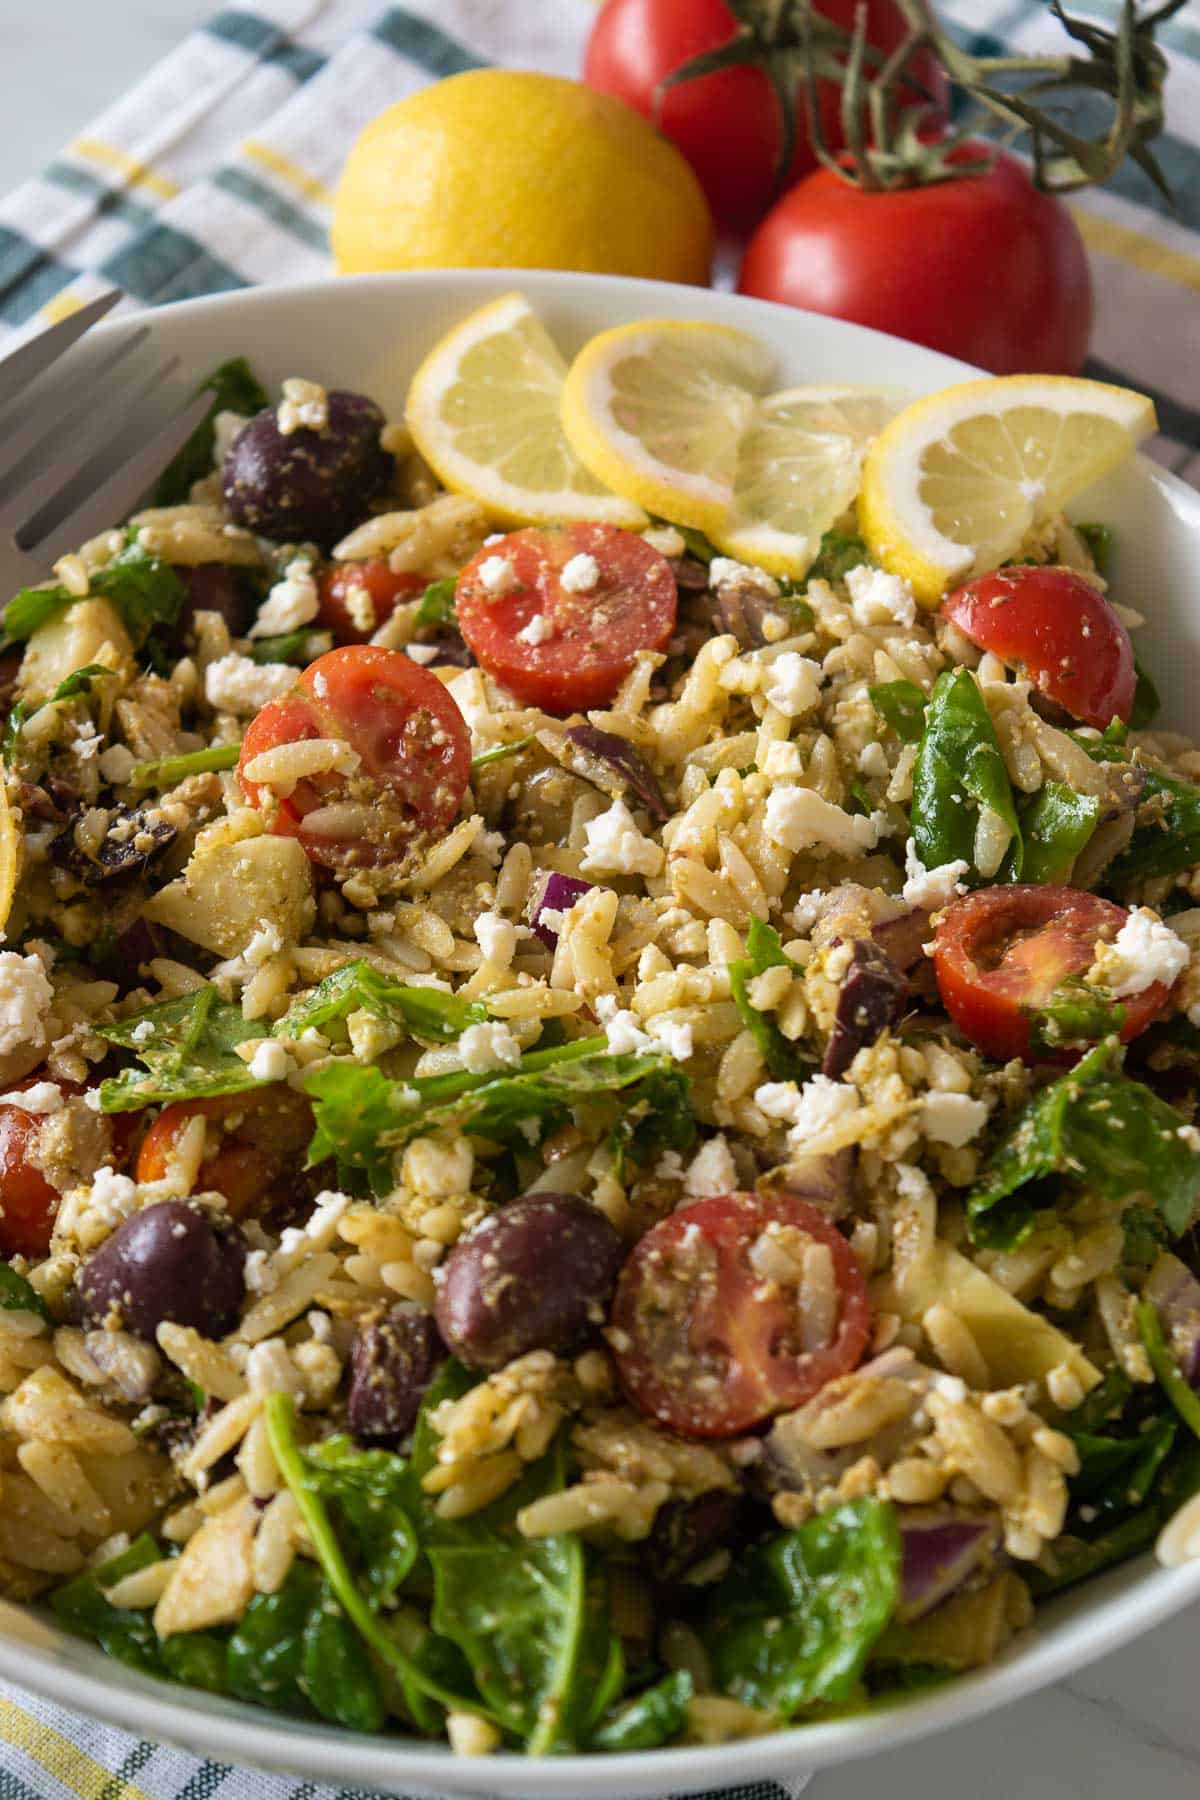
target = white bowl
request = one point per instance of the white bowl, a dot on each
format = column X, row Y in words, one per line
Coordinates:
column 369, row 333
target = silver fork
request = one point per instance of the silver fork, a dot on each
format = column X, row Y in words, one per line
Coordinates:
column 60, row 437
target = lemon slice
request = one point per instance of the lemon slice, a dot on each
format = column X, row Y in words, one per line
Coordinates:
column 657, row 410
column 798, row 469
column 956, row 481
column 483, row 409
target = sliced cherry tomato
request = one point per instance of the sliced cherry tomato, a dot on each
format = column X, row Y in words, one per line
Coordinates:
column 346, row 613
column 711, row 1347
column 1059, row 630
column 28, row 1199
column 1003, row 954
column 414, row 755
column 565, row 648
column 257, row 1161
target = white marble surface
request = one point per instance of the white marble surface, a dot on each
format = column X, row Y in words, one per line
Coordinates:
column 1127, row 1726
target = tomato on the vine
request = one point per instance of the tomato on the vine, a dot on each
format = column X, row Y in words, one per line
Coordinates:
column 1004, row 956
column 713, row 1334
column 728, row 123
column 984, row 266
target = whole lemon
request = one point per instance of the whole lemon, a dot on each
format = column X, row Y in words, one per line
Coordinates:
column 501, row 169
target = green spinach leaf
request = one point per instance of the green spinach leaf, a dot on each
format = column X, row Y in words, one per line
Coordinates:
column 78, row 682
column 234, row 388
column 1092, row 1131
column 1055, row 826
column 902, row 705
column 655, row 1717
column 1147, row 701
column 83, row 1607
column 336, row 1671
column 839, row 553
column 299, row 647
column 168, row 771
column 423, row 1012
column 437, row 605
column 19, row 1295
column 1099, row 540
column 793, row 1622
column 958, row 771
column 266, row 1652
column 1170, row 841
column 1171, row 1379
column 784, row 1060
column 188, row 1046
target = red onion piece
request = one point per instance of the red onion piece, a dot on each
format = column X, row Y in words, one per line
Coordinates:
column 620, row 758
column 941, row 1549
column 1174, row 1290
column 558, row 895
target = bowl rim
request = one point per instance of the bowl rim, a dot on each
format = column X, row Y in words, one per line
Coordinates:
column 147, row 1706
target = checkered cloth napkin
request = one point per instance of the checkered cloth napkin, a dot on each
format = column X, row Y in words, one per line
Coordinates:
column 217, row 172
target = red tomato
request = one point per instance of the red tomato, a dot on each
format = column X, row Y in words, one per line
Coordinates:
column 1060, row 630
column 259, row 1156
column 592, row 638
column 28, row 1201
column 1002, row 953
column 727, row 124
column 984, row 267
column 710, row 1347
column 414, row 750
column 384, row 592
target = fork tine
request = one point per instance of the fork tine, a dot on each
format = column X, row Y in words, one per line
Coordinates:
column 26, row 443
column 117, row 496
column 23, row 516
column 18, row 369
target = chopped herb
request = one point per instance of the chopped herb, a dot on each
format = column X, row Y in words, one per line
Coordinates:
column 189, row 1049
column 958, row 772
column 78, row 682
column 437, row 605
column 764, row 950
column 234, row 388
column 486, row 757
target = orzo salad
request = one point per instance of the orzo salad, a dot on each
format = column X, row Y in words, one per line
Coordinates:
column 596, row 1144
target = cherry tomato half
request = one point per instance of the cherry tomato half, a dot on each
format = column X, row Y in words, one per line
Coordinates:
column 711, row 1347
column 1002, row 953
column 28, row 1199
column 985, row 267
column 414, row 755
column 258, row 1159
column 346, row 612
column 1059, row 630
column 560, row 647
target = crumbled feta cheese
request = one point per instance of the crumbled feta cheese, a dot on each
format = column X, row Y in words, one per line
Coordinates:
column 497, row 576
column 421, row 653
column 711, row 1170
column 487, row 1047
column 25, row 994
column 87, row 741
column 291, row 603
column 141, row 1034
column 673, row 1037
column 799, row 819
column 782, row 758
column 877, row 598
column 1144, row 951
column 622, row 1028
column 117, row 764
column 872, row 759
column 239, row 685
column 39, row 1097
column 1189, row 1135
column 538, row 630
column 950, row 1387
column 112, row 1197
column 259, row 1276
column 725, row 568
column 793, row 684
column 270, row 1061
column 305, row 405
column 820, row 1106
column 439, row 1166
column 489, row 844
column 264, row 943
column 807, row 911
column 581, row 574
column 912, row 1184
column 665, row 539
column 360, row 607
column 497, row 938
column 615, row 846
column 931, row 888
column 953, row 1118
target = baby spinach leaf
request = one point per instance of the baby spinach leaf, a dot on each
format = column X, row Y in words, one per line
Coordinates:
column 1099, row 540
column 764, row 950
column 370, row 1490
column 1075, row 1015
column 143, row 589
column 266, row 1652
column 1170, row 841
column 1171, row 1379
column 902, row 705
column 793, row 1622
column 83, row 1607
column 189, row 1052
column 19, row 1295
column 959, row 770
column 197, row 1659
column 168, row 771
column 336, row 1671
column 657, row 1715
column 1078, row 1559
column 299, row 647
column 234, row 388
column 1147, row 701
column 78, row 682
column 423, row 1012
column 1055, row 827
column 437, row 604
column 839, row 553
column 1093, row 1131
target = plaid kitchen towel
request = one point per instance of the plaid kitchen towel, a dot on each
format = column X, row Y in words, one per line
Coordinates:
column 217, row 172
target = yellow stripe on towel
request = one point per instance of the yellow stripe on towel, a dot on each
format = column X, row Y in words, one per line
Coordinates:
column 134, row 173
column 287, row 171
column 61, row 1758
column 1145, row 253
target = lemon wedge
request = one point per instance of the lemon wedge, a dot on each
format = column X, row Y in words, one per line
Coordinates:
column 483, row 409
column 657, row 411
column 798, row 470
column 953, row 485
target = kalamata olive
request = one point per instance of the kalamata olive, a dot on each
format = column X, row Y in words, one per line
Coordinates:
column 168, row 1262
column 612, row 763
column 133, row 838
column 392, row 1362
column 214, row 587
column 686, row 1531
column 872, row 997
column 534, row 1276
column 306, row 484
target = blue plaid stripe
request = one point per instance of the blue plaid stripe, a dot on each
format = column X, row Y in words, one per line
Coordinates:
column 422, row 42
